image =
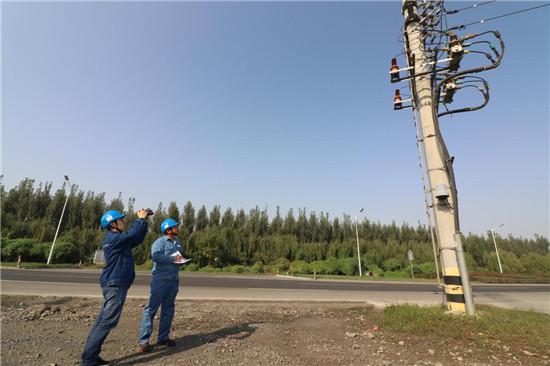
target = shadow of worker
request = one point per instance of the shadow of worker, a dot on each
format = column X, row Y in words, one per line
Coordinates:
column 240, row 331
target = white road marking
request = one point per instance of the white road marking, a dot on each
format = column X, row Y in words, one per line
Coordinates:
column 282, row 289
column 54, row 283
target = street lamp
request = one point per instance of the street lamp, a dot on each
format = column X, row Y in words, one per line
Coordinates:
column 357, row 234
column 61, row 218
column 496, row 249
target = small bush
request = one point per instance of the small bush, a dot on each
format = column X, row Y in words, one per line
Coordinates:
column 193, row 267
column 322, row 267
column 271, row 268
column 374, row 269
column 391, row 265
column 30, row 250
column 208, row 269
column 282, row 264
column 333, row 266
column 349, row 266
column 65, row 252
column 147, row 266
column 238, row 269
column 400, row 274
column 427, row 267
column 300, row 267
column 257, row 268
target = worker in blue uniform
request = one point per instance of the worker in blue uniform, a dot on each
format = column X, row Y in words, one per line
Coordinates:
column 166, row 253
column 116, row 278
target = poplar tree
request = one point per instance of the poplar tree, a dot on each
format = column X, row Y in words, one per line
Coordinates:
column 202, row 219
column 188, row 217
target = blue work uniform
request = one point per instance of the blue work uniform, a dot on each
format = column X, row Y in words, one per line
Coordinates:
column 116, row 278
column 164, row 288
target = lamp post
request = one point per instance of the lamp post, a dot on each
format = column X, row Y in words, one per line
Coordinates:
column 496, row 249
column 357, row 234
column 61, row 218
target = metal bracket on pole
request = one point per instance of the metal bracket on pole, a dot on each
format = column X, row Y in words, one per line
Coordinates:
column 464, row 275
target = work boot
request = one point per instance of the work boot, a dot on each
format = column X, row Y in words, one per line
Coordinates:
column 102, row 362
column 168, row 342
column 145, row 347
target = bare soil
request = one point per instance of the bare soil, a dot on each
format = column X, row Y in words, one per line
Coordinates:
column 52, row 331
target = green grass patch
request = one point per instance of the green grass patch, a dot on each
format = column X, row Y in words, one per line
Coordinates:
column 491, row 327
column 495, row 277
column 366, row 278
column 30, row 265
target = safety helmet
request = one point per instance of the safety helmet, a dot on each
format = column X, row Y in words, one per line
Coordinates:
column 109, row 217
column 167, row 224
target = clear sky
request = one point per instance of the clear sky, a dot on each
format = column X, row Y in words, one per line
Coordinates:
column 267, row 103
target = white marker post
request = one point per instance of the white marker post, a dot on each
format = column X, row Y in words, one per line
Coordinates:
column 411, row 259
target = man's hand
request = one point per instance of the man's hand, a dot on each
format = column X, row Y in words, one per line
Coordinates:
column 179, row 258
column 142, row 214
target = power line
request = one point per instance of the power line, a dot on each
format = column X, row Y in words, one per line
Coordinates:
column 497, row 17
column 469, row 7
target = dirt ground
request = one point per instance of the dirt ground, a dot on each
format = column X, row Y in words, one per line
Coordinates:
column 52, row 331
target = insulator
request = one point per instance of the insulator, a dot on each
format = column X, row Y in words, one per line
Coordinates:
column 397, row 99
column 394, row 67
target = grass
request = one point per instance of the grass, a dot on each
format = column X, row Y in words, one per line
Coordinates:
column 33, row 265
column 491, row 327
column 367, row 278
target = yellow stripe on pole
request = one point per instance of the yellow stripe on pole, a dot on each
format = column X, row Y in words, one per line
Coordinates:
column 456, row 306
column 452, row 272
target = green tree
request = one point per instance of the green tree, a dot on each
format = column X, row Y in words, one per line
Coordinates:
column 276, row 226
column 228, row 218
column 173, row 211
column 158, row 217
column 202, row 219
column 240, row 220
column 215, row 216
column 188, row 217
column 116, row 203
column 289, row 225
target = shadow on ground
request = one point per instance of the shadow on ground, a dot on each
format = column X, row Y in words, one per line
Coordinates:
column 186, row 343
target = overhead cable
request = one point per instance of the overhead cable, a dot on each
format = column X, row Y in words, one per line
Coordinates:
column 469, row 7
column 497, row 17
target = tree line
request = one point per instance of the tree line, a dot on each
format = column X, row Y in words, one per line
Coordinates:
column 30, row 215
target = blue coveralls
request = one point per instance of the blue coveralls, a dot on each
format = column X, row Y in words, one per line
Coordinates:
column 116, row 278
column 164, row 288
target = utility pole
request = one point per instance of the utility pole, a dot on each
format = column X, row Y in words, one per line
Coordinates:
column 496, row 249
column 61, row 218
column 357, row 234
column 455, row 274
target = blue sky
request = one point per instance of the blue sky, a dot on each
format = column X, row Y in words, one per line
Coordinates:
column 267, row 103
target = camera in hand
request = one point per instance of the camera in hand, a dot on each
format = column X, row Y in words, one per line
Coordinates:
column 149, row 212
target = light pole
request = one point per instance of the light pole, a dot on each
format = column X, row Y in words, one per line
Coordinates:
column 357, row 234
column 496, row 249
column 61, row 218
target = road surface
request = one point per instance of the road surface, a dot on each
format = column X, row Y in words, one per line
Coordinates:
column 84, row 282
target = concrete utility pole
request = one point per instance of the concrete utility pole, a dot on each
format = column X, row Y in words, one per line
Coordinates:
column 457, row 286
column 61, row 218
column 357, row 234
column 496, row 249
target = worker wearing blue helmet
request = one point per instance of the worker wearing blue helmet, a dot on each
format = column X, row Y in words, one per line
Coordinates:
column 167, row 257
column 116, row 278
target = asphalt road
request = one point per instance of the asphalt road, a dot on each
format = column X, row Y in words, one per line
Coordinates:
column 84, row 282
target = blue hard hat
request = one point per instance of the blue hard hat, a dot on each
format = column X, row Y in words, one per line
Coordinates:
column 109, row 217
column 167, row 224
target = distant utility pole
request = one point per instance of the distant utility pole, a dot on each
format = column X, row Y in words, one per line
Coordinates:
column 61, row 218
column 455, row 274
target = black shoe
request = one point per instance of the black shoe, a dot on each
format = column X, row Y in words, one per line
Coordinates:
column 102, row 362
column 168, row 342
